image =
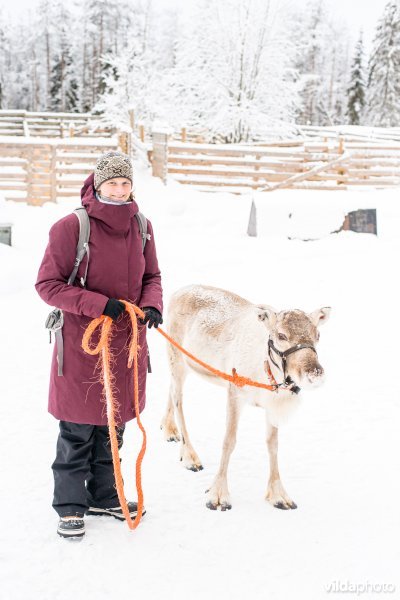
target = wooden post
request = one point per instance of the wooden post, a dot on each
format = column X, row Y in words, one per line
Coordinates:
column 256, row 168
column 141, row 132
column 123, row 142
column 29, row 178
column 131, row 113
column 26, row 128
column 340, row 180
column 160, row 154
column 53, row 174
column 183, row 134
column 40, row 176
column 71, row 129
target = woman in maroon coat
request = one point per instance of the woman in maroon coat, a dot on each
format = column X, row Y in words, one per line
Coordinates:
column 118, row 268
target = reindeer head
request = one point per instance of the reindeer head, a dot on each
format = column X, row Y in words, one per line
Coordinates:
column 293, row 335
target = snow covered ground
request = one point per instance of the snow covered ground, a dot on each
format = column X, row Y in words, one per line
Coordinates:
column 339, row 454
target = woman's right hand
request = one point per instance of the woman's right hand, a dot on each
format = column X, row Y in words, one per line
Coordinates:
column 114, row 308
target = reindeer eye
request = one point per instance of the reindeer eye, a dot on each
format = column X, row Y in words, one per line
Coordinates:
column 282, row 336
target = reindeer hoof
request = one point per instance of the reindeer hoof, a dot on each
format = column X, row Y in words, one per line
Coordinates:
column 195, row 468
column 284, row 506
column 281, row 506
column 215, row 505
column 170, row 433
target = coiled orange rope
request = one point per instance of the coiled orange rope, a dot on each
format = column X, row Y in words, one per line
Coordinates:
column 111, row 404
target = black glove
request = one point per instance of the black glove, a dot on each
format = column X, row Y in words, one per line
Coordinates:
column 153, row 317
column 114, row 308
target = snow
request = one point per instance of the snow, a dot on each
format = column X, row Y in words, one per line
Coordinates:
column 339, row 454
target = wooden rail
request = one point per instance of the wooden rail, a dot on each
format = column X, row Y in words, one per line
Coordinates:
column 39, row 171
column 334, row 163
column 46, row 124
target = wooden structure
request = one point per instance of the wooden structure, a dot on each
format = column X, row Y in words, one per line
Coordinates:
column 45, row 124
column 41, row 170
column 47, row 155
column 329, row 163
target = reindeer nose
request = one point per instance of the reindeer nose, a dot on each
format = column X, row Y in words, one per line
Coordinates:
column 316, row 373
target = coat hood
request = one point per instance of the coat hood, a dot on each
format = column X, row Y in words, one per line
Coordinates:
column 117, row 218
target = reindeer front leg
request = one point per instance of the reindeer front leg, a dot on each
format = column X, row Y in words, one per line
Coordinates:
column 276, row 493
column 218, row 494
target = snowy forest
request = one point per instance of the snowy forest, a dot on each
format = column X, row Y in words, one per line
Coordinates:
column 236, row 68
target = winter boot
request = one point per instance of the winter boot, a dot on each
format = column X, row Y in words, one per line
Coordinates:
column 115, row 512
column 71, row 527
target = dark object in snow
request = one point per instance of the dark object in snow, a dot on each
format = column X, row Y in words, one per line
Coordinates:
column 5, row 233
column 71, row 527
column 361, row 221
column 115, row 512
column 252, row 226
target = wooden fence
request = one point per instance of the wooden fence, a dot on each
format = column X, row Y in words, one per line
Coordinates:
column 329, row 163
column 58, row 125
column 38, row 171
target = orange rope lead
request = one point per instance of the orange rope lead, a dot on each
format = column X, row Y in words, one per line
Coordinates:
column 236, row 379
column 112, row 408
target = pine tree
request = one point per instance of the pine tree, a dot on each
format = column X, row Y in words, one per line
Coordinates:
column 56, row 83
column 356, row 89
column 64, row 86
column 383, row 95
column 108, row 34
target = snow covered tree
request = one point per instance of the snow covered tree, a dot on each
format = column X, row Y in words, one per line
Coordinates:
column 322, row 64
column 356, row 89
column 131, row 73
column 64, row 86
column 383, row 94
column 233, row 74
column 3, row 63
column 106, row 32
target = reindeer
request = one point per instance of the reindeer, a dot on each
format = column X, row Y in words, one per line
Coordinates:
column 227, row 331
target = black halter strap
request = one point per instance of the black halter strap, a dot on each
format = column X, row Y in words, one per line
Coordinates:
column 283, row 356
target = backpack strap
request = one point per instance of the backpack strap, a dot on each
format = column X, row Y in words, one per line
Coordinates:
column 82, row 247
column 142, row 222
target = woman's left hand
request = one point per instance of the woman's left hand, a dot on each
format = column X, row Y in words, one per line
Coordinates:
column 153, row 317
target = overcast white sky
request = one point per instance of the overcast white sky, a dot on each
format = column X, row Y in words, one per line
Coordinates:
column 357, row 13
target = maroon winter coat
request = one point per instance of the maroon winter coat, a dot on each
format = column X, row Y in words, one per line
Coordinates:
column 118, row 268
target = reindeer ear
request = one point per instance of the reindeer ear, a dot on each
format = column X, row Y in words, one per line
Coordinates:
column 266, row 313
column 320, row 315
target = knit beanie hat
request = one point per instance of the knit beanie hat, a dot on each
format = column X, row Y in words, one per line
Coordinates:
column 112, row 164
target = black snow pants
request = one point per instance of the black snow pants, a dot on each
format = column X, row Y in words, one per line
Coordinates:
column 83, row 469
